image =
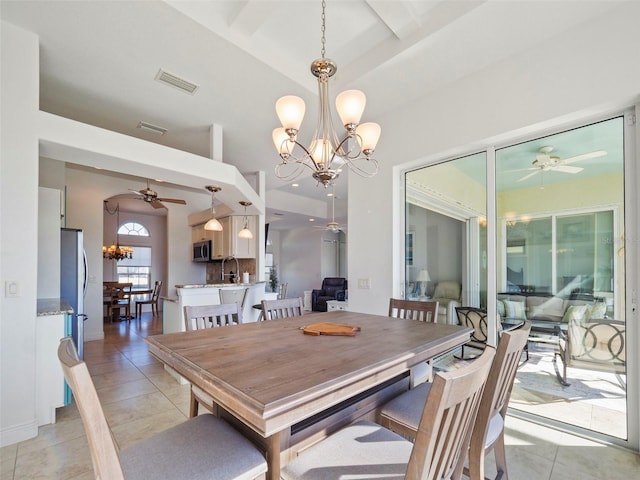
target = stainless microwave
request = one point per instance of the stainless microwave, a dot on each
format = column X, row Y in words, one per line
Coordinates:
column 202, row 251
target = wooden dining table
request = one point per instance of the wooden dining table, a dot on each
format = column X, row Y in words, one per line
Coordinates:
column 285, row 389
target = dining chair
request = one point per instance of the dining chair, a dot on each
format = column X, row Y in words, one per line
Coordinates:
column 422, row 311
column 121, row 300
column 204, row 447
column 413, row 310
column 403, row 414
column 282, row 294
column 234, row 295
column 208, row 316
column 366, row 450
column 277, row 309
column 197, row 317
column 153, row 301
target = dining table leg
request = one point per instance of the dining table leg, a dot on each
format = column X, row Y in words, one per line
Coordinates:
column 274, row 444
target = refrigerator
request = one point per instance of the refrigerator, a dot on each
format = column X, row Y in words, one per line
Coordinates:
column 73, row 281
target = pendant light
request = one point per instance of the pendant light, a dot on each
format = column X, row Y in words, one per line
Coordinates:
column 245, row 232
column 213, row 223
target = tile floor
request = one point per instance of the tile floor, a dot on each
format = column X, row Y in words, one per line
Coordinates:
column 139, row 399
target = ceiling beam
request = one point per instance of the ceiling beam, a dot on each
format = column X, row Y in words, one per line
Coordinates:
column 397, row 16
column 250, row 16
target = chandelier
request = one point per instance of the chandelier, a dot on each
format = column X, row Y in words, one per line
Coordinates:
column 327, row 153
column 116, row 252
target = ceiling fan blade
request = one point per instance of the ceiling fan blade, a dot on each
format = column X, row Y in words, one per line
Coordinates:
column 136, row 192
column 157, row 204
column 529, row 176
column 172, row 200
column 584, row 156
column 567, row 169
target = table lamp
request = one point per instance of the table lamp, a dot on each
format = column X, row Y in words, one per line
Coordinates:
column 423, row 278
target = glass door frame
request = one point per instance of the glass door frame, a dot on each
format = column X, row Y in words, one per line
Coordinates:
column 632, row 254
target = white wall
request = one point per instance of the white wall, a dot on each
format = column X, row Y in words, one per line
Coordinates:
column 581, row 72
column 19, row 88
column 300, row 260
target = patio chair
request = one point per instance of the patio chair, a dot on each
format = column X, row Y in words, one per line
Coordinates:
column 594, row 344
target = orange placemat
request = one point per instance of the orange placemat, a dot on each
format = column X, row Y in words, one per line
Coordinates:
column 326, row 328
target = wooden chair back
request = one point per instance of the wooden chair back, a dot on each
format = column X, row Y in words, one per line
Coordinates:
column 446, row 424
column 287, row 307
column 282, row 291
column 103, row 449
column 497, row 393
column 156, row 291
column 413, row 310
column 211, row 316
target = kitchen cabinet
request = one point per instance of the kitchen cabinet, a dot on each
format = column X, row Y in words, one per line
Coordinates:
column 226, row 243
column 199, row 234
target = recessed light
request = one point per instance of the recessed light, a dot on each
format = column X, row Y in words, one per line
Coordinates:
column 295, row 185
column 329, row 194
column 312, row 219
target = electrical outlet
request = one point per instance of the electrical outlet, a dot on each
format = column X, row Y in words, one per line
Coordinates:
column 11, row 289
column 364, row 283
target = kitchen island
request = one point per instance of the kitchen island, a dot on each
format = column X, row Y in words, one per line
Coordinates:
column 209, row 294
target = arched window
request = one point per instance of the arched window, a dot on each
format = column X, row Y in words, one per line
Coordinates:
column 133, row 228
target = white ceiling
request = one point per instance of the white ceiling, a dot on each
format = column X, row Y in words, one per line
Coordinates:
column 99, row 60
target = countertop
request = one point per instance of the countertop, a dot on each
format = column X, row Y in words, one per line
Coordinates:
column 219, row 285
column 52, row 306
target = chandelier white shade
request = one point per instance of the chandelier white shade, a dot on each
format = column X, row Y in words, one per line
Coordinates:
column 326, row 153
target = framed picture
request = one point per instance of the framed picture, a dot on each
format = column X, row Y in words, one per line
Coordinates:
column 408, row 249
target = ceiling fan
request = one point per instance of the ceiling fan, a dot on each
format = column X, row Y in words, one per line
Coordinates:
column 151, row 197
column 545, row 162
column 333, row 226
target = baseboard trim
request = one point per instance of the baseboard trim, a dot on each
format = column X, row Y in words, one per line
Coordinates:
column 18, row 433
column 89, row 337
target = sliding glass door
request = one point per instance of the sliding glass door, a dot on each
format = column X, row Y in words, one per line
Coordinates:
column 555, row 237
column 560, row 213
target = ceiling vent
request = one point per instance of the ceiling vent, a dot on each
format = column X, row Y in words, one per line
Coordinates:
column 152, row 128
column 176, row 82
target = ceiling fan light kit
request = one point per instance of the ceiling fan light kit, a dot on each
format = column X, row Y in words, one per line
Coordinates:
column 326, row 152
column 151, row 197
column 545, row 162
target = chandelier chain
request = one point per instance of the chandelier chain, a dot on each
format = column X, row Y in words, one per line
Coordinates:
column 322, row 29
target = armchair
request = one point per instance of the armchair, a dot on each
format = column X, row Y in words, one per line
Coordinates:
column 447, row 294
column 333, row 288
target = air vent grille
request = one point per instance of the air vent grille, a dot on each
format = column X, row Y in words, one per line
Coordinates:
column 152, row 128
column 176, row 82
